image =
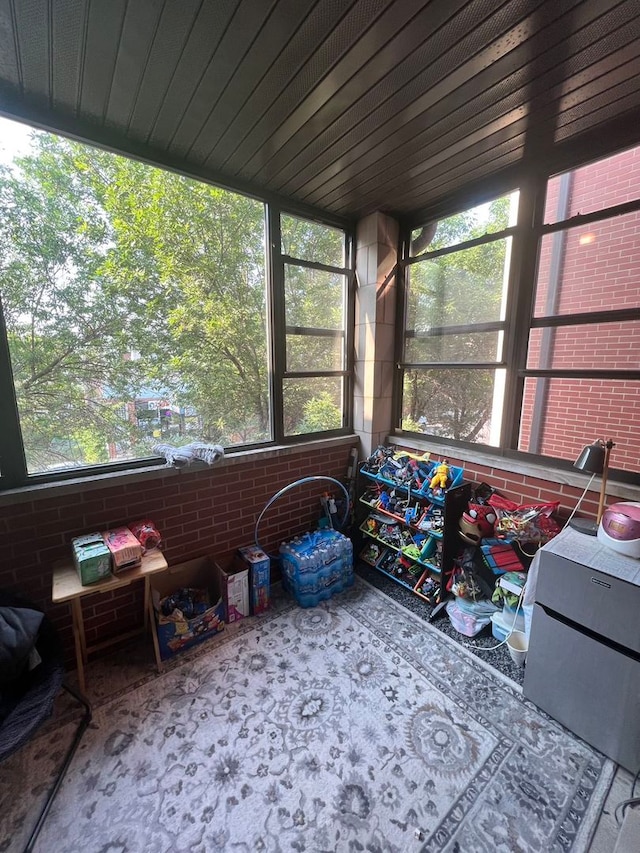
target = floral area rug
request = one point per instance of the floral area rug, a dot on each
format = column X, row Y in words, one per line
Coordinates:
column 352, row 726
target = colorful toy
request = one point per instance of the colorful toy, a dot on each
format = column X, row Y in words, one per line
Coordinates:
column 440, row 478
column 371, row 525
column 429, row 589
column 432, row 519
column 384, row 501
column 477, row 523
column 370, row 553
column 412, row 551
column 146, row 533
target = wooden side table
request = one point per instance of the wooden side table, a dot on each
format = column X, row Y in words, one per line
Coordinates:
column 67, row 587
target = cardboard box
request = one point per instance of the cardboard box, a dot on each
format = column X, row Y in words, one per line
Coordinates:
column 125, row 548
column 91, row 557
column 259, row 566
column 234, row 583
column 175, row 634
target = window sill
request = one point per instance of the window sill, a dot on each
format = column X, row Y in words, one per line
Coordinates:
column 559, row 476
column 41, row 491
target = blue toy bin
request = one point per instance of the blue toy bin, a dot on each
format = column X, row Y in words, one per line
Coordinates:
column 456, row 474
column 386, row 476
column 422, row 523
column 428, row 551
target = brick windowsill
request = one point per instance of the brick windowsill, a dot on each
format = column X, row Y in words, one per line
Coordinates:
column 38, row 491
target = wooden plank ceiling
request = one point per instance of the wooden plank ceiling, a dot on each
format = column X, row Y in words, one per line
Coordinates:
column 349, row 106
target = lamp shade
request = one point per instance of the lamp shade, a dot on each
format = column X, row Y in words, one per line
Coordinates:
column 592, row 458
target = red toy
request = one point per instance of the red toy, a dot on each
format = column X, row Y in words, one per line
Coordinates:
column 146, row 533
column 477, row 523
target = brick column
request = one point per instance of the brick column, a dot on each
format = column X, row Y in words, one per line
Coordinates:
column 376, row 257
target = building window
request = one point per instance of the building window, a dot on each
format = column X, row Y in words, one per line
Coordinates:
column 537, row 359
column 581, row 379
column 455, row 297
column 136, row 311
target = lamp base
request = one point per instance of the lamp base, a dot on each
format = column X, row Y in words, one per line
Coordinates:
column 584, row 525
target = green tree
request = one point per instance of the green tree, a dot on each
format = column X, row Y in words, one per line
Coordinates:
column 105, row 257
column 320, row 413
column 196, row 255
column 314, row 300
column 461, row 288
column 65, row 336
column 123, row 282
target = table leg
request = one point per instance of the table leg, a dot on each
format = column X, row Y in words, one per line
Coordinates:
column 78, row 639
column 147, row 599
column 154, row 634
column 77, row 610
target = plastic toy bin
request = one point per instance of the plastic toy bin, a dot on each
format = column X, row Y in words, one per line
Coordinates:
column 455, row 478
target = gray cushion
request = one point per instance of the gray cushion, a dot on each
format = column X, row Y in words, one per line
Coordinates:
column 19, row 627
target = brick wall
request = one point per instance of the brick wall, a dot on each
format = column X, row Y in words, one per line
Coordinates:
column 600, row 271
column 205, row 511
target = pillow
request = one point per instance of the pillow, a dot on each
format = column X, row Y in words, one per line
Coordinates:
column 19, row 628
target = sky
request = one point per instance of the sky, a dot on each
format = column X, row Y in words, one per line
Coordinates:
column 14, row 139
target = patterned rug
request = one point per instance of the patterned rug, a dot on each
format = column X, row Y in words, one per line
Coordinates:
column 352, row 726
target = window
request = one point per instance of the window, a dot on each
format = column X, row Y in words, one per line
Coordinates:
column 316, row 285
column 581, row 377
column 538, row 360
column 136, row 311
column 455, row 308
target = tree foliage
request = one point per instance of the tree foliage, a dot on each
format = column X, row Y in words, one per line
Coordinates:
column 458, row 289
column 123, row 282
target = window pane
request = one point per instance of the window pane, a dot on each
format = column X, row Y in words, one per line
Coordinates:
column 314, row 352
column 312, row 241
column 468, row 347
column 135, row 306
column 594, row 267
column 312, row 405
column 597, row 345
column 560, row 416
column 462, row 288
column 461, row 404
column 594, row 187
column 314, row 298
column 484, row 219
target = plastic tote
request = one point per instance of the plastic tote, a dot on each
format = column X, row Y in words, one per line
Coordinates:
column 466, row 622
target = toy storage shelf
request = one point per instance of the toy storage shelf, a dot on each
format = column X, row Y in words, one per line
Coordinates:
column 450, row 505
column 436, row 534
column 419, row 562
column 416, row 582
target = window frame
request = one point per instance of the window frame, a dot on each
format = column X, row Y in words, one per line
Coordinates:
column 405, row 263
column 13, row 464
column 527, row 236
column 280, row 330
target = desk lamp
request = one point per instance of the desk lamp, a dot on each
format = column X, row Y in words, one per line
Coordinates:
column 594, row 460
